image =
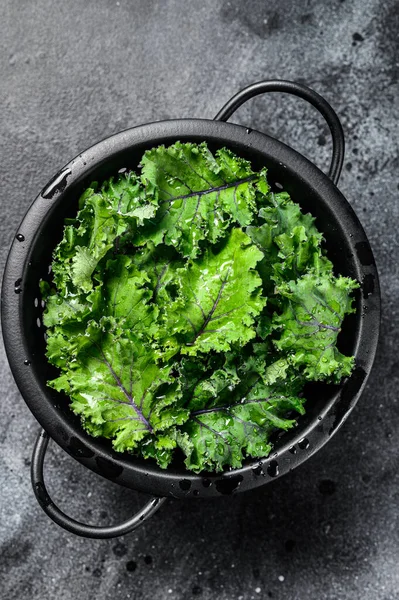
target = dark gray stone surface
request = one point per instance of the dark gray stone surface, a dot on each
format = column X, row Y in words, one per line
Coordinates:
column 75, row 72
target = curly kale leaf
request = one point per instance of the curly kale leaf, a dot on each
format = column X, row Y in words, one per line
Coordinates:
column 199, row 195
column 106, row 215
column 289, row 240
column 160, row 265
column 127, row 298
column 117, row 387
column 235, row 408
column 123, row 295
column 314, row 307
column 219, row 296
column 223, row 434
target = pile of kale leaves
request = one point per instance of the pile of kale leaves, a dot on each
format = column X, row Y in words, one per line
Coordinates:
column 189, row 306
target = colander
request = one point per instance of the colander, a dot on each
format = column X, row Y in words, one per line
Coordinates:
column 28, row 263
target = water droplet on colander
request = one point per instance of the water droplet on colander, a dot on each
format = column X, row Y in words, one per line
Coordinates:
column 27, row 362
column 206, row 482
column 273, row 469
column 20, row 237
column 57, row 184
column 17, row 286
column 304, row 444
column 292, row 450
column 248, row 130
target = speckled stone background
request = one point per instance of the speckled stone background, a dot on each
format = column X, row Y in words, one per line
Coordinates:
column 74, row 72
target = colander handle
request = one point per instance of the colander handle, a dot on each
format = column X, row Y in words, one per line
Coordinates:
column 59, row 517
column 296, row 89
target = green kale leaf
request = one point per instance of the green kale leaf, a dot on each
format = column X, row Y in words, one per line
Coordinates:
column 219, row 296
column 313, row 310
column 118, row 388
column 223, row 435
column 199, row 195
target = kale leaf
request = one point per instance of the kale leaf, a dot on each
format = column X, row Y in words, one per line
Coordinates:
column 218, row 297
column 199, row 195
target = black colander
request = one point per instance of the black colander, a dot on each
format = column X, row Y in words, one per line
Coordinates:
column 31, row 253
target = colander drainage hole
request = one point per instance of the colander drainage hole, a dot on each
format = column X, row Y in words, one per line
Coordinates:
column 304, row 444
column 273, row 469
column 17, row 286
column 258, row 470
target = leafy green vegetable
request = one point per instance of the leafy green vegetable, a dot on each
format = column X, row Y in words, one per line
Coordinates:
column 118, row 387
column 105, row 216
column 232, row 425
column 218, row 298
column 313, row 310
column 199, row 195
column 289, row 241
column 189, row 306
